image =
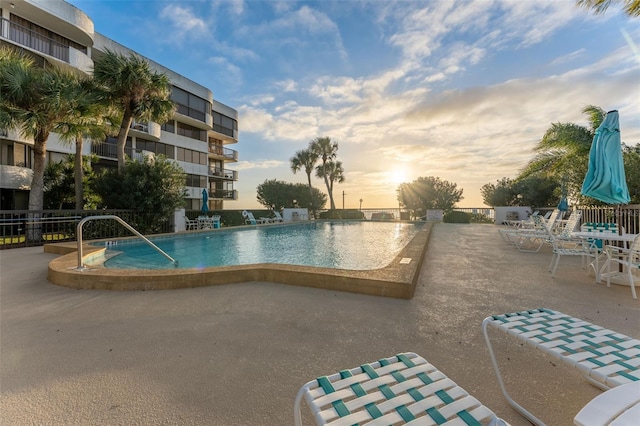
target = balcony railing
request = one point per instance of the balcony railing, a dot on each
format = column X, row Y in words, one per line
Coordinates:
column 221, row 151
column 223, row 194
column 143, row 127
column 29, row 38
column 107, row 150
column 223, row 173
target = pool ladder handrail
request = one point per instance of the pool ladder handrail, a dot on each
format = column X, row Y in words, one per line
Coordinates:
column 81, row 267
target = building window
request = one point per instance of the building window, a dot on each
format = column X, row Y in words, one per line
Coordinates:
column 196, row 181
column 169, row 126
column 27, row 33
column 225, row 125
column 158, row 148
column 192, row 132
column 191, row 156
column 190, row 105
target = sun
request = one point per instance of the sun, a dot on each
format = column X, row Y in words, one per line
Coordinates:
column 398, row 176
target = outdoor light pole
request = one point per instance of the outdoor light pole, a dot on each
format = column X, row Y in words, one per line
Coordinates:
column 343, row 194
column 360, row 204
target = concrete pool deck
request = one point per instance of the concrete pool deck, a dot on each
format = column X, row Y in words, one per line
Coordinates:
column 237, row 354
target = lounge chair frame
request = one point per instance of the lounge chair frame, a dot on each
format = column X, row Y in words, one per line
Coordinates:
column 606, row 359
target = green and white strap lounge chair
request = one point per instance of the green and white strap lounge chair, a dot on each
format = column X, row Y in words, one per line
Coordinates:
column 605, row 358
column 397, row 390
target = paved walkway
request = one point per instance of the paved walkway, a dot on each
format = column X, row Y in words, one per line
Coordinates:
column 237, row 354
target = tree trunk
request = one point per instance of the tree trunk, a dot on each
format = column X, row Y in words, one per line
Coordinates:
column 78, row 175
column 330, row 191
column 311, row 196
column 122, row 139
column 36, row 194
column 326, row 182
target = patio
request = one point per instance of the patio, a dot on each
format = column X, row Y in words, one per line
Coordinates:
column 236, row 354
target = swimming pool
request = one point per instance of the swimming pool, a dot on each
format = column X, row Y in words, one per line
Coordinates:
column 356, row 245
column 397, row 279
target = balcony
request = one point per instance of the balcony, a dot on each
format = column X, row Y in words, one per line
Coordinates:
column 110, row 151
column 222, row 152
column 35, row 41
column 223, row 194
column 148, row 130
column 15, row 177
column 225, row 174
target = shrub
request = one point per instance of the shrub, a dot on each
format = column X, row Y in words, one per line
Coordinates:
column 457, row 217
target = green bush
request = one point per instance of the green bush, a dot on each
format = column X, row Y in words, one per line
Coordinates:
column 330, row 214
column 457, row 217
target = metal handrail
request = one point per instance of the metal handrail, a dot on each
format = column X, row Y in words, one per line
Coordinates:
column 81, row 267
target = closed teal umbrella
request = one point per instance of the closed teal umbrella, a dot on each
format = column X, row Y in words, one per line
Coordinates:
column 605, row 179
column 205, row 199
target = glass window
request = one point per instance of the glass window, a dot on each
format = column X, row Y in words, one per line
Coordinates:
column 168, row 127
column 181, row 154
column 179, row 96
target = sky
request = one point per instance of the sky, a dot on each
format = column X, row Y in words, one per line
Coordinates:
column 460, row 90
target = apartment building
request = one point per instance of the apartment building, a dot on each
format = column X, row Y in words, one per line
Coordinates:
column 197, row 138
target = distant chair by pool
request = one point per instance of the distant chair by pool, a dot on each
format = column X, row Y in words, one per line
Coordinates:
column 249, row 219
column 278, row 217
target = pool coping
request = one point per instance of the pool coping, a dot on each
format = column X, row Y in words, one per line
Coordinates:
column 396, row 280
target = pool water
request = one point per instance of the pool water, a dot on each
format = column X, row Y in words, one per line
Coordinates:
column 357, row 245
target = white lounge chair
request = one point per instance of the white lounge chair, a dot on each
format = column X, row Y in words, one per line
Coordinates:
column 395, row 390
column 249, row 219
column 532, row 239
column 603, row 357
column 278, row 216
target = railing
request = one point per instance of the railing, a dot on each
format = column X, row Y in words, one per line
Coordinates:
column 224, row 194
column 223, row 173
column 108, row 150
column 29, row 38
column 143, row 127
column 53, row 226
column 223, row 152
column 627, row 216
column 81, row 267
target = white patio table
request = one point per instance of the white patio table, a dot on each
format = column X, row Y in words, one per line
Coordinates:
column 609, row 237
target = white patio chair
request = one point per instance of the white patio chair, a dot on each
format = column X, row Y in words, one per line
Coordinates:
column 629, row 259
column 189, row 224
column 400, row 389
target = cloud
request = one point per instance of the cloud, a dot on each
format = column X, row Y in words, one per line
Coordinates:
column 262, row 164
column 296, row 29
column 183, row 21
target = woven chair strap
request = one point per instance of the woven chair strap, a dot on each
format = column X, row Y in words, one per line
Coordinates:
column 395, row 390
column 607, row 357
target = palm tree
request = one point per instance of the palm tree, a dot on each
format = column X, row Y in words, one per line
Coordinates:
column 563, row 152
column 334, row 172
column 88, row 118
column 326, row 150
column 137, row 91
column 33, row 100
column 306, row 159
column 631, row 7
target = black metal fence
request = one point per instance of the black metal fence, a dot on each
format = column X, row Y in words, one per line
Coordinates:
column 26, row 228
